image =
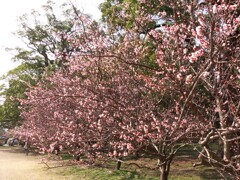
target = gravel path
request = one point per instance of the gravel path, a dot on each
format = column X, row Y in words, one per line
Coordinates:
column 15, row 165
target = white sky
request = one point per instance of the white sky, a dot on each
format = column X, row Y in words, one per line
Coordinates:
column 11, row 9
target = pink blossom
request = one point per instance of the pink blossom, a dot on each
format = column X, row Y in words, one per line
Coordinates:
column 199, row 52
column 182, row 69
column 214, row 8
column 233, row 7
column 185, row 51
column 179, row 76
column 201, row 21
column 226, row 27
column 125, row 153
column 145, row 128
column 188, row 79
column 205, row 74
column 163, row 13
column 193, row 58
column 199, row 31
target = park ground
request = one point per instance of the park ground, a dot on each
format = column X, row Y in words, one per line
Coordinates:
column 15, row 165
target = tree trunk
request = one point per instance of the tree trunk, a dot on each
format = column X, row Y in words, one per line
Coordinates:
column 164, row 172
column 119, row 163
column 226, row 145
column 220, row 149
column 164, row 175
column 26, row 148
column 226, row 149
column 77, row 157
column 165, row 168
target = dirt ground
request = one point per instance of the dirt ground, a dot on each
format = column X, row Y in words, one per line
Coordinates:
column 15, row 165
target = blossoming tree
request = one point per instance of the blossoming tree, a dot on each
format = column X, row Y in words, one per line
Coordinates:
column 196, row 65
column 129, row 88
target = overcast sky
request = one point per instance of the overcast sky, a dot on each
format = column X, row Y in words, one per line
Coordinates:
column 11, row 9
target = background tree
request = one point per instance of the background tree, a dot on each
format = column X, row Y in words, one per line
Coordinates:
column 19, row 79
column 44, row 39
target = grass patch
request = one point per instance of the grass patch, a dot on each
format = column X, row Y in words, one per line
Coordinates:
column 66, row 156
column 88, row 173
column 180, row 170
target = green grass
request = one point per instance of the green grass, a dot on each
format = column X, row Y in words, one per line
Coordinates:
column 181, row 169
column 66, row 156
column 87, row 173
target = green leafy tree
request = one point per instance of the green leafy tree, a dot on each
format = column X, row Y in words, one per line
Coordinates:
column 19, row 80
column 45, row 38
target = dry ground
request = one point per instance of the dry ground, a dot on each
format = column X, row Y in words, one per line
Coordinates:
column 15, row 165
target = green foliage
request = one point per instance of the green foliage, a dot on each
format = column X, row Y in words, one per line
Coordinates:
column 118, row 19
column 42, row 39
column 19, row 79
column 112, row 13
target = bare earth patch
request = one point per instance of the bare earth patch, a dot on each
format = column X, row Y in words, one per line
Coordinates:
column 15, row 165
